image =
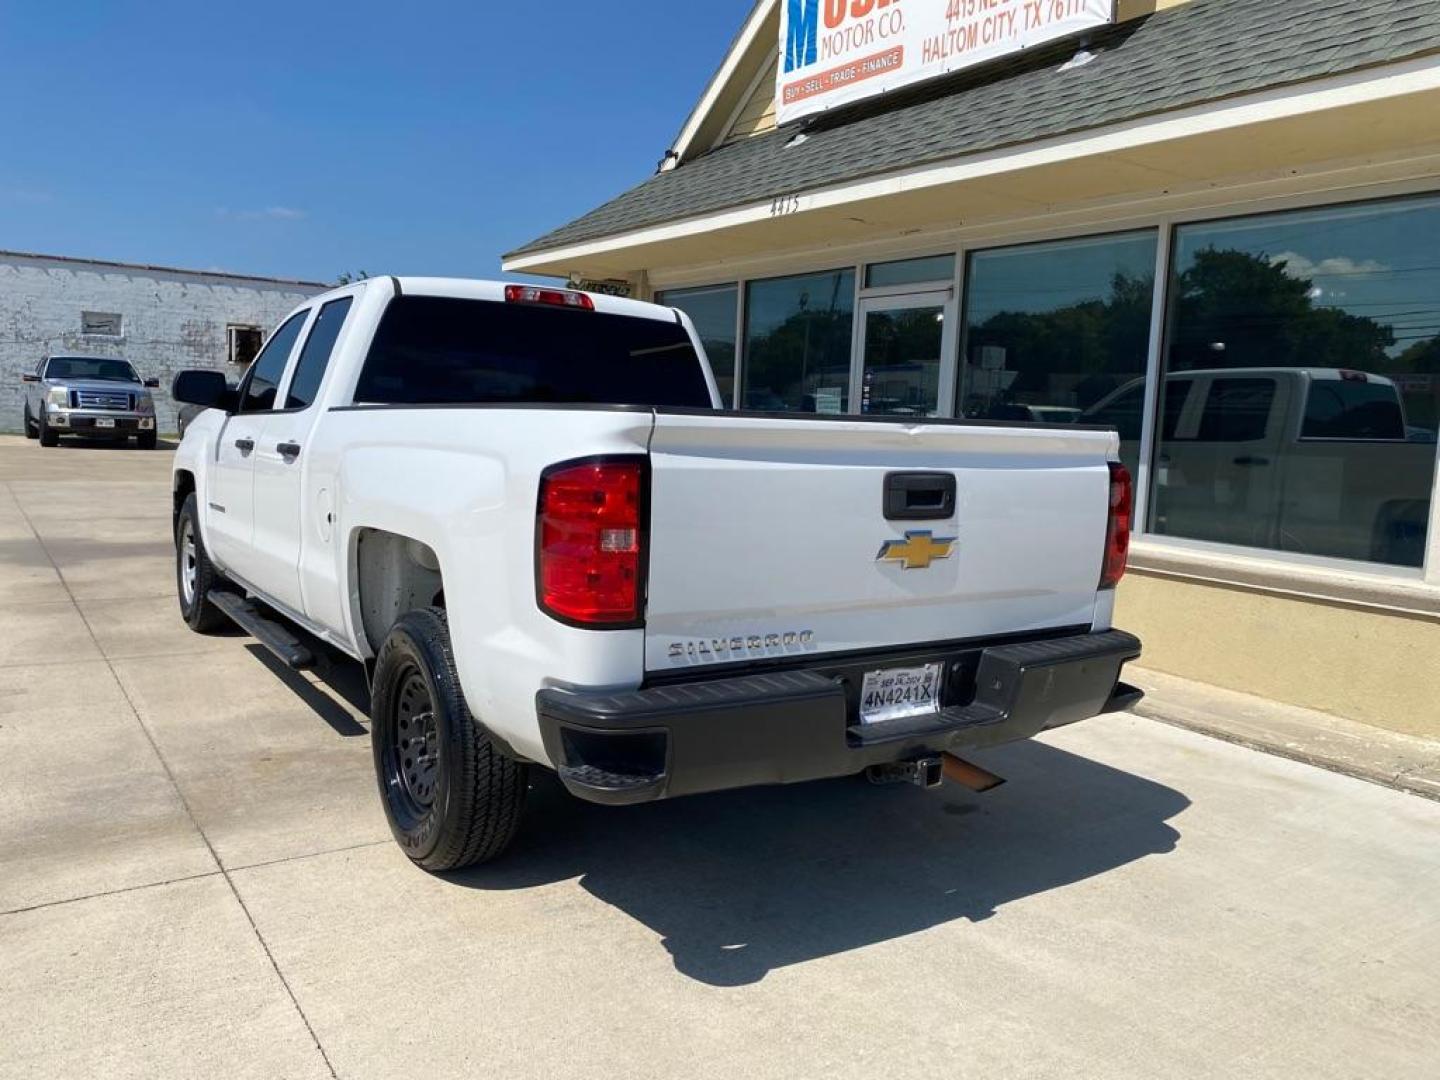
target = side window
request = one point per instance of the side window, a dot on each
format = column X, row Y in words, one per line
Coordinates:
column 316, row 355
column 1237, row 410
column 264, row 377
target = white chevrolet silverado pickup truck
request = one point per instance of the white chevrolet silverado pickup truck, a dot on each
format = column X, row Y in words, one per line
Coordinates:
column 524, row 511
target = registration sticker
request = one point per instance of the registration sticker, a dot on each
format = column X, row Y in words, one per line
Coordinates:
column 894, row 692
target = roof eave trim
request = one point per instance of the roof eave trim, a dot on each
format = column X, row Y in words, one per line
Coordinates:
column 1352, row 88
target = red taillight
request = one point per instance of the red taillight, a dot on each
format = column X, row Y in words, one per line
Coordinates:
column 1117, row 527
column 534, row 294
column 588, row 567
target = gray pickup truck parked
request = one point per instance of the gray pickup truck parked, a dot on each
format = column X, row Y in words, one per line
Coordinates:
column 1320, row 461
column 95, row 396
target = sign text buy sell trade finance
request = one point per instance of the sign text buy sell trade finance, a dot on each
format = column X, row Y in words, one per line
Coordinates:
column 833, row 52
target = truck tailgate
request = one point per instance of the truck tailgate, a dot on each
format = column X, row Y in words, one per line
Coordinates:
column 769, row 536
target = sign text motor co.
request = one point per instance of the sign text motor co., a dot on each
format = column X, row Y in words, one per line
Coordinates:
column 834, row 52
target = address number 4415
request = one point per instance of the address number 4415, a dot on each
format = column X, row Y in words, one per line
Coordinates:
column 784, row 204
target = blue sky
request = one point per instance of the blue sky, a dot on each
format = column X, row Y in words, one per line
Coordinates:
column 303, row 140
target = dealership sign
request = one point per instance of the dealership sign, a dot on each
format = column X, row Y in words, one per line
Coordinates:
column 833, row 52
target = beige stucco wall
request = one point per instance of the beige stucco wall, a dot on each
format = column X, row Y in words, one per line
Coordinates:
column 1367, row 665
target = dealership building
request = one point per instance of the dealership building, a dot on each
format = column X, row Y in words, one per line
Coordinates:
column 1213, row 224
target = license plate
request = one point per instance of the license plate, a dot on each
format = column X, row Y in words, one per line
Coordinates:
column 893, row 692
column 102, row 421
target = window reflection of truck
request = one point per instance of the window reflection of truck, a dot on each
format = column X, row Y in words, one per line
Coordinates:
column 1312, row 460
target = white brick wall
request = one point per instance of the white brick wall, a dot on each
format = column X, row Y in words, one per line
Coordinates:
column 173, row 319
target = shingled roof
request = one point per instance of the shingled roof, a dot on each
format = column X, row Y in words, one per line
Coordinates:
column 1199, row 52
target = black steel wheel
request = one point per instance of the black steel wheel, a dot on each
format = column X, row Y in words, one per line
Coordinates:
column 452, row 795
column 195, row 575
column 413, row 756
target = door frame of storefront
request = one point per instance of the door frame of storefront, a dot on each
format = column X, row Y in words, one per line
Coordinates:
column 903, row 298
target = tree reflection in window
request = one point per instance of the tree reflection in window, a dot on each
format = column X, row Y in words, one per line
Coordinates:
column 1337, row 310
column 1061, row 331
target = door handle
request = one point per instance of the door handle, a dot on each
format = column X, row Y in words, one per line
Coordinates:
column 289, row 450
column 1248, row 460
column 919, row 496
column 245, row 445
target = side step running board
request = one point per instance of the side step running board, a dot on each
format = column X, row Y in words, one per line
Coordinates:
column 273, row 635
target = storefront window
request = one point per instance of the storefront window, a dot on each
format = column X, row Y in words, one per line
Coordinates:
column 925, row 270
column 797, row 343
column 1060, row 332
column 1303, row 380
column 712, row 310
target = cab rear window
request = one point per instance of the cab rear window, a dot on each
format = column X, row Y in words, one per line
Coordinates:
column 1353, row 408
column 445, row 351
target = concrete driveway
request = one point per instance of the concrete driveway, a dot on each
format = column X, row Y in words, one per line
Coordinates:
column 196, row 880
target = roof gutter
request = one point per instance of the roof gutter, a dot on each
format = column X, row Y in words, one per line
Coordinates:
column 1353, row 88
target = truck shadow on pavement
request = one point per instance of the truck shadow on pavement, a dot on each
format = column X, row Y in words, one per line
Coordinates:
column 344, row 680
column 742, row 883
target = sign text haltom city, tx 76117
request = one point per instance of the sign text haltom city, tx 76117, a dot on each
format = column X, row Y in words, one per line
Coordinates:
column 833, row 52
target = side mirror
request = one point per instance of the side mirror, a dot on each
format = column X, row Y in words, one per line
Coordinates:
column 152, row 383
column 204, row 388
column 31, row 377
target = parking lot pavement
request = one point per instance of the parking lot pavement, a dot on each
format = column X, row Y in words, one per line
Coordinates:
column 195, row 880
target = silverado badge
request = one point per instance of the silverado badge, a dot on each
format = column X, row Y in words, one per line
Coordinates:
column 918, row 550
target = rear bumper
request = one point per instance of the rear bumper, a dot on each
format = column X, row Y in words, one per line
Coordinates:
column 787, row 726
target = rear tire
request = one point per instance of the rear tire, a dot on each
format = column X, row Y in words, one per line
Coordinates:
column 48, row 435
column 195, row 574
column 452, row 796
column 31, row 431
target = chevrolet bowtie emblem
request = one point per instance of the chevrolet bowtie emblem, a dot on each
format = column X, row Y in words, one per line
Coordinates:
column 917, row 551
